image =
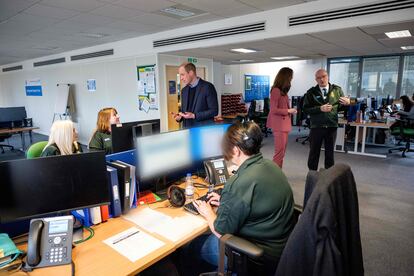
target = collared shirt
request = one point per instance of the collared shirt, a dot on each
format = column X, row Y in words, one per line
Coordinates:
column 194, row 83
column 327, row 91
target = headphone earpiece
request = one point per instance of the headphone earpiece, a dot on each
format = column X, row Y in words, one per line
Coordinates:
column 176, row 196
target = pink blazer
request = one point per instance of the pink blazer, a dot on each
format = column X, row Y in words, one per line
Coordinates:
column 279, row 118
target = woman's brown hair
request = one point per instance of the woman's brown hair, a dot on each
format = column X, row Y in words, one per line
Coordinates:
column 283, row 79
column 247, row 136
column 103, row 121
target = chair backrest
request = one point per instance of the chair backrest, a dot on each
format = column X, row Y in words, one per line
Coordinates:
column 35, row 150
column 4, row 136
column 326, row 240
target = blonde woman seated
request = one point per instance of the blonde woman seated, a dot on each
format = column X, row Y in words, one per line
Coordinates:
column 62, row 139
column 101, row 138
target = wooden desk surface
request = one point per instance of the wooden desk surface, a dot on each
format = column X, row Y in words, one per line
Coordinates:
column 16, row 129
column 94, row 257
column 367, row 124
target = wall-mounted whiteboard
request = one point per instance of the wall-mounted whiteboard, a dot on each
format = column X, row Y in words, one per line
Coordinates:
column 61, row 99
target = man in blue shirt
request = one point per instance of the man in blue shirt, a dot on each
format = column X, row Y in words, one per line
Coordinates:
column 199, row 102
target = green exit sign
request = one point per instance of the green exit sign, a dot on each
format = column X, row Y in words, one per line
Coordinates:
column 192, row 60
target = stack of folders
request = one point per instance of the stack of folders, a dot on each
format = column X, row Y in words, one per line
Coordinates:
column 127, row 187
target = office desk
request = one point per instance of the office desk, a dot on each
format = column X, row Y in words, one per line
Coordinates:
column 364, row 127
column 94, row 257
column 21, row 131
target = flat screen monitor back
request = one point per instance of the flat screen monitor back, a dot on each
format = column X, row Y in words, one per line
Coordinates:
column 123, row 135
column 34, row 187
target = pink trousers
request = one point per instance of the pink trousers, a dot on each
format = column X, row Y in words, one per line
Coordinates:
column 280, row 139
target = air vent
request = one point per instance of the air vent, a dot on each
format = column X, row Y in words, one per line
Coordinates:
column 14, row 68
column 351, row 12
column 213, row 34
column 49, row 62
column 93, row 55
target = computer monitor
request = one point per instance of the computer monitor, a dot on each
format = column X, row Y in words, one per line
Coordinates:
column 51, row 185
column 123, row 134
column 160, row 154
column 206, row 141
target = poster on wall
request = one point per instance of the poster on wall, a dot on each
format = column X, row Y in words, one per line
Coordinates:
column 256, row 87
column 147, row 96
column 33, row 87
column 91, row 85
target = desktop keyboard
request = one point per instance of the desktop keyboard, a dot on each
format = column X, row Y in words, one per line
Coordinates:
column 192, row 209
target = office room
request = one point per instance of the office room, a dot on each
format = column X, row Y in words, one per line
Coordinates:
column 68, row 60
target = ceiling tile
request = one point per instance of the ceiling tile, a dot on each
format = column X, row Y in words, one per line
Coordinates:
column 134, row 26
column 381, row 29
column 49, row 11
column 117, row 12
column 78, row 5
column 156, row 19
column 94, row 19
column 236, row 11
column 271, row 4
column 145, row 5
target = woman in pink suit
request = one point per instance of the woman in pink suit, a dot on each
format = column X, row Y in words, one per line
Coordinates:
column 280, row 112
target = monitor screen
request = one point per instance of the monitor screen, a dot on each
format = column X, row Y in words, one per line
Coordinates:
column 206, row 141
column 162, row 153
column 123, row 134
column 35, row 187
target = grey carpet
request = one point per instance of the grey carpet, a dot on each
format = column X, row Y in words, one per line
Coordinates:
column 386, row 200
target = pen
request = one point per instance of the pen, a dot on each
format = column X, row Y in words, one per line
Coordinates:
column 125, row 237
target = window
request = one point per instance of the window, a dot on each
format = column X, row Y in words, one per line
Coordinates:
column 407, row 85
column 380, row 76
column 345, row 74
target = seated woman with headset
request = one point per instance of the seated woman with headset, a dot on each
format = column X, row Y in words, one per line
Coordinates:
column 101, row 138
column 255, row 204
column 62, row 139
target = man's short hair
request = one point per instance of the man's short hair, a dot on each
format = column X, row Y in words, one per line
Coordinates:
column 188, row 66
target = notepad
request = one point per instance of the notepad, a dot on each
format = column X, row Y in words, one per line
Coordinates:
column 148, row 219
column 133, row 243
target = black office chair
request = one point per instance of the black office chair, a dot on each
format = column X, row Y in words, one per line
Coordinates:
column 3, row 138
column 243, row 257
column 403, row 130
column 260, row 118
column 304, row 121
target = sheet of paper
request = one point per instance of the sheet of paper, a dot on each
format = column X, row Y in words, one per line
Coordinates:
column 148, row 219
column 145, row 105
column 133, row 243
column 179, row 227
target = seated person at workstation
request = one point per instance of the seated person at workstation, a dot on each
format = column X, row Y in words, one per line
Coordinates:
column 255, row 204
column 62, row 139
column 408, row 107
column 101, row 138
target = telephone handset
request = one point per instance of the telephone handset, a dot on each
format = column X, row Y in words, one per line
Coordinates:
column 216, row 171
column 50, row 241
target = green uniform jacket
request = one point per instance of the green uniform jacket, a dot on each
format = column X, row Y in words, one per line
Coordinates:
column 257, row 204
column 101, row 141
column 53, row 150
column 312, row 106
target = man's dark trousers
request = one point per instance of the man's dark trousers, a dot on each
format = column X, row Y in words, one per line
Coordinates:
column 317, row 136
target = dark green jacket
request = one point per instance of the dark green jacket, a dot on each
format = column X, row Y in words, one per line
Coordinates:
column 313, row 102
column 101, row 141
column 51, row 150
column 257, row 204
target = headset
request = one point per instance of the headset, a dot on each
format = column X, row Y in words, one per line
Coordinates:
column 176, row 196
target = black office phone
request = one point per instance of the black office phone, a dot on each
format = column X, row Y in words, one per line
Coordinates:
column 216, row 171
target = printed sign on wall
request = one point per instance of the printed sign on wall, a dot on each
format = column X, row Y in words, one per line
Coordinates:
column 33, row 87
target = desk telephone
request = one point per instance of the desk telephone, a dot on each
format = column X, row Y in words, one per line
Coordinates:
column 216, row 171
column 50, row 241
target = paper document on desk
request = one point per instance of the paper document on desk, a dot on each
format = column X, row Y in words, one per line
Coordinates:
column 148, row 219
column 134, row 244
column 180, row 227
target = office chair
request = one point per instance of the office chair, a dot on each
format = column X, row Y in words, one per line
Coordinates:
column 304, row 121
column 3, row 137
column 35, row 150
column 260, row 117
column 243, row 257
column 404, row 131
column 326, row 240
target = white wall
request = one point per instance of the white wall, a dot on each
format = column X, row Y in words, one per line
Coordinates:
column 303, row 76
column 116, row 82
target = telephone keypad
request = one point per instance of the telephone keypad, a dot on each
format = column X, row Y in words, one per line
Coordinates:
column 57, row 253
column 222, row 178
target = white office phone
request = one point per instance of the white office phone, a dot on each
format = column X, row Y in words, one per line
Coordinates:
column 50, row 242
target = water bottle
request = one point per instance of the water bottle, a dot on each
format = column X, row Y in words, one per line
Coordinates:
column 189, row 187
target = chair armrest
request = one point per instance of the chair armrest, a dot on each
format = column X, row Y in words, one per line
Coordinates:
column 243, row 246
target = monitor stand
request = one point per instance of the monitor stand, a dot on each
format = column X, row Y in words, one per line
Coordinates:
column 161, row 188
column 77, row 231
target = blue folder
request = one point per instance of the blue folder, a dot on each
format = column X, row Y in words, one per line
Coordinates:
column 115, row 206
